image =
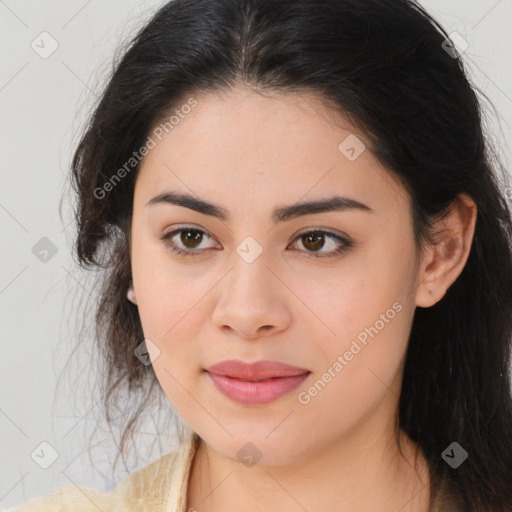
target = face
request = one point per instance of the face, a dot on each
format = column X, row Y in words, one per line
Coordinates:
column 330, row 292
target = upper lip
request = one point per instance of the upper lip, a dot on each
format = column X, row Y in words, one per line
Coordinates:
column 257, row 370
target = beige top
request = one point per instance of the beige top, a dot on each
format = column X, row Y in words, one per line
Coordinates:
column 158, row 487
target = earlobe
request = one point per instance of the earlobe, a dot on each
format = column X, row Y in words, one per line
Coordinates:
column 130, row 295
column 445, row 261
column 427, row 291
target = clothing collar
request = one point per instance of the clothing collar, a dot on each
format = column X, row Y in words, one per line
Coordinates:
column 177, row 492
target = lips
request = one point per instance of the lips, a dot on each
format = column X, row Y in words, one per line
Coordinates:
column 256, row 383
column 258, row 371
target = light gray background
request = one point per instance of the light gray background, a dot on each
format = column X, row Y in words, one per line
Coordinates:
column 43, row 103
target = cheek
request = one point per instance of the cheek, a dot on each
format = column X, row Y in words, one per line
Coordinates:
column 359, row 372
column 166, row 293
column 365, row 291
column 171, row 305
column 368, row 312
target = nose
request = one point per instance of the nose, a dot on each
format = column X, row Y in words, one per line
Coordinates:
column 252, row 301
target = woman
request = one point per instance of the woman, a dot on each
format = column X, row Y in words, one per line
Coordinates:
column 309, row 253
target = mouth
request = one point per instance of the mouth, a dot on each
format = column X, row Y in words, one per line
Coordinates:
column 256, row 383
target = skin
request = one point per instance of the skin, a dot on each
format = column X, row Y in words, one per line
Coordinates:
column 250, row 154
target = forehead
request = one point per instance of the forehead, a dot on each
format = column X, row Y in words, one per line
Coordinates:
column 240, row 144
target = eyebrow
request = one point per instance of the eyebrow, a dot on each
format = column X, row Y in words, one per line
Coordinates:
column 281, row 214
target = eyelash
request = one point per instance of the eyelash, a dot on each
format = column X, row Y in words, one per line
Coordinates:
column 346, row 244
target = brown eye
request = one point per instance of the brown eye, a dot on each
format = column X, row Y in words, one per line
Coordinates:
column 190, row 237
column 314, row 241
column 185, row 241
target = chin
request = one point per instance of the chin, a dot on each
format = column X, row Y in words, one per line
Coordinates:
column 256, row 448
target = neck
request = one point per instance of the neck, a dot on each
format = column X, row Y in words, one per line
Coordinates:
column 362, row 471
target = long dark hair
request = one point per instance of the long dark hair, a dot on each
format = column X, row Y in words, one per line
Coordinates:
column 386, row 66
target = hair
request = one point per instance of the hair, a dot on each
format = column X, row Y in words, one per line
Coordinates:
column 383, row 65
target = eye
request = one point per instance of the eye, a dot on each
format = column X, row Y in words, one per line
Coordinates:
column 186, row 241
column 316, row 239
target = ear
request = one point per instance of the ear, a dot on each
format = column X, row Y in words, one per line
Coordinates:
column 130, row 295
column 443, row 262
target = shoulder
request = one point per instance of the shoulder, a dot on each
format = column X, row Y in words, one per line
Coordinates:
column 69, row 498
column 156, row 484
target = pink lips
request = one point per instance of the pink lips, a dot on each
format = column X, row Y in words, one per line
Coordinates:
column 256, row 383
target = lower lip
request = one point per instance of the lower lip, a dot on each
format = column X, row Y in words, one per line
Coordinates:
column 256, row 393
